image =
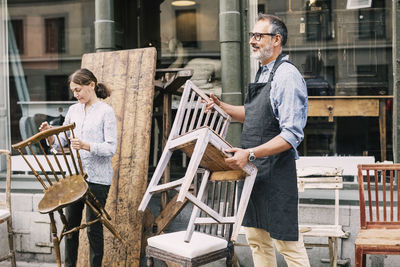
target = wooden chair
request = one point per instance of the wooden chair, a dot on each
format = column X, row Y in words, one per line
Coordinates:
column 326, row 178
column 201, row 136
column 5, row 212
column 68, row 186
column 209, row 235
column 379, row 211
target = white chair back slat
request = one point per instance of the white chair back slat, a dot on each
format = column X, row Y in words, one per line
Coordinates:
column 195, row 112
column 188, row 112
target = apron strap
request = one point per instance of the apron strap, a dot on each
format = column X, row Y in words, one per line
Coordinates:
column 278, row 62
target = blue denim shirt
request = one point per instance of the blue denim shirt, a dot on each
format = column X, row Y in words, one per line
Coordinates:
column 289, row 101
column 97, row 127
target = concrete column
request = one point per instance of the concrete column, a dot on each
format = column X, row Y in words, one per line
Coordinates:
column 104, row 26
column 232, row 71
column 5, row 137
column 396, row 80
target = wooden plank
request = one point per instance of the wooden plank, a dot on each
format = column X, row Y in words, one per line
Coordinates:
column 343, row 107
column 130, row 76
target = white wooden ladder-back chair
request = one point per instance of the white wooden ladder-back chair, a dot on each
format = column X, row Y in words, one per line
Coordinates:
column 68, row 185
column 5, row 211
column 200, row 135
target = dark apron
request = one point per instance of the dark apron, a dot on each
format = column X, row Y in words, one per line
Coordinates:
column 274, row 200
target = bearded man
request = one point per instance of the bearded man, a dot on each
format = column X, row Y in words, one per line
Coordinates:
column 273, row 116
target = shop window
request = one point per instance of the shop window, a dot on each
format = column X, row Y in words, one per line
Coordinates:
column 372, row 21
column 318, row 20
column 57, row 88
column 18, row 29
column 55, row 35
column 186, row 27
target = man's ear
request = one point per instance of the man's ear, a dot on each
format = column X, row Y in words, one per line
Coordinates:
column 278, row 40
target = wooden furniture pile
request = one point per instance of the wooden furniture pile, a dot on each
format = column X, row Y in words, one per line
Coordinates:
column 200, row 135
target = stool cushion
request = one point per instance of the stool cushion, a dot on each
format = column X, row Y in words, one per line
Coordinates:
column 200, row 244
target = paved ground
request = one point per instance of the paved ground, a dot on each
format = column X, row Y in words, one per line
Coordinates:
column 28, row 264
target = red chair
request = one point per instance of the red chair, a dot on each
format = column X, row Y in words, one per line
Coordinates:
column 379, row 189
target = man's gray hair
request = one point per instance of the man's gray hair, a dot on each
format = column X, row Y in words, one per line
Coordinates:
column 278, row 27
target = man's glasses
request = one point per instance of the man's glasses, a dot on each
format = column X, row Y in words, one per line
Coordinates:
column 258, row 35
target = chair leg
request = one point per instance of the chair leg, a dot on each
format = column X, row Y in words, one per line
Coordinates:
column 247, row 187
column 104, row 220
column 198, row 152
column 165, row 156
column 229, row 258
column 333, row 247
column 11, row 243
column 55, row 239
column 360, row 258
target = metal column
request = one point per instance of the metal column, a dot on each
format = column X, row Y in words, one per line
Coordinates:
column 104, row 26
column 232, row 71
column 396, row 80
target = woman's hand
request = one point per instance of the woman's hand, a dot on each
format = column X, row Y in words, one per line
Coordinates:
column 45, row 126
column 79, row 144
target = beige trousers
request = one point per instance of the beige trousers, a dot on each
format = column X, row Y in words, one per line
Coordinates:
column 262, row 248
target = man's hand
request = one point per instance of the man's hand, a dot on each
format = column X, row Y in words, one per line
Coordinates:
column 78, row 144
column 213, row 101
column 239, row 159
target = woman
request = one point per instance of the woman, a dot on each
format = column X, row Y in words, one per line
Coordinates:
column 96, row 138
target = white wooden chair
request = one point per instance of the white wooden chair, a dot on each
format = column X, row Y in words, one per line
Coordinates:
column 326, row 178
column 5, row 212
column 212, row 230
column 201, row 136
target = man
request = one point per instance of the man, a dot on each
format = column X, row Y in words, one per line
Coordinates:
column 274, row 115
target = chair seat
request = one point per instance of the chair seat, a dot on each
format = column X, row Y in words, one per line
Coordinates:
column 379, row 238
column 200, row 244
column 62, row 193
column 4, row 214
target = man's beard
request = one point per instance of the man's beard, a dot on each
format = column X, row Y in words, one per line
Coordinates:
column 263, row 53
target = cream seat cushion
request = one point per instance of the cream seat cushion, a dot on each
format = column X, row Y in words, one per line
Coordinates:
column 200, row 244
column 4, row 213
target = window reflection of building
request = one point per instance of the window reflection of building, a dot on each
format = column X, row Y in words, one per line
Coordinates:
column 55, row 35
column 186, row 27
column 18, row 28
column 355, row 49
column 318, row 19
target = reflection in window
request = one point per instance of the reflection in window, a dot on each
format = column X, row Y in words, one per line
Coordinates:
column 57, row 88
column 18, row 28
column 318, row 19
column 372, row 21
column 186, row 28
column 55, row 35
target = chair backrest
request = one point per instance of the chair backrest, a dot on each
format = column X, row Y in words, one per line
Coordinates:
column 379, row 189
column 221, row 195
column 191, row 114
column 8, row 178
column 71, row 158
